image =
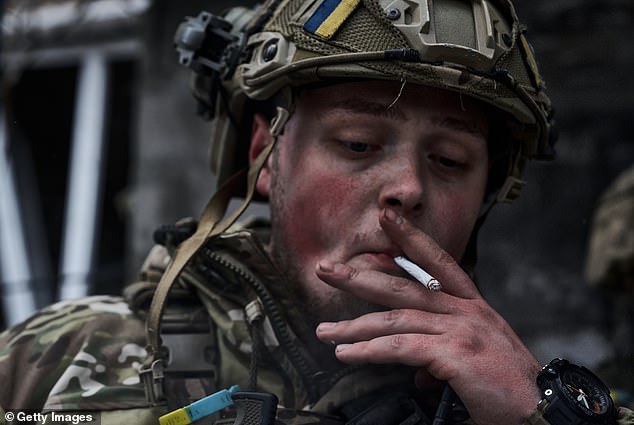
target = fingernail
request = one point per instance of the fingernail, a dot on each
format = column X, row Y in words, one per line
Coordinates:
column 325, row 266
column 326, row 326
column 341, row 347
column 331, row 268
column 393, row 216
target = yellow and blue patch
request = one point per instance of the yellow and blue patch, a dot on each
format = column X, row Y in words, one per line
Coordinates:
column 329, row 16
column 532, row 62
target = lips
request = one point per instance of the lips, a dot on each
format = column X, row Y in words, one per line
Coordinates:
column 378, row 260
column 377, row 253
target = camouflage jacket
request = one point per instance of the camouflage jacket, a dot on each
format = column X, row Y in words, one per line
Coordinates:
column 81, row 359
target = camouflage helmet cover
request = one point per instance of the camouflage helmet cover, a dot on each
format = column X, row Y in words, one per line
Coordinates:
column 474, row 47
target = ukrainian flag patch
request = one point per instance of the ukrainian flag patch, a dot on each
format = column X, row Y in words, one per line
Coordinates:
column 532, row 63
column 329, row 16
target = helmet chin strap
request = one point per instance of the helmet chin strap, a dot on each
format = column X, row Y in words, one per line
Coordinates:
column 506, row 194
column 208, row 226
column 277, row 125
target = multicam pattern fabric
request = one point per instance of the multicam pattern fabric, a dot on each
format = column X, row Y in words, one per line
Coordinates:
column 76, row 355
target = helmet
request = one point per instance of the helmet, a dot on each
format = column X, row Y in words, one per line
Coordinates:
column 477, row 48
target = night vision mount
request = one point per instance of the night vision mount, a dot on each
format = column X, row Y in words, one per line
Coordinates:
column 208, row 46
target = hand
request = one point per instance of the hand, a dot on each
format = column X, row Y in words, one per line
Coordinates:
column 452, row 335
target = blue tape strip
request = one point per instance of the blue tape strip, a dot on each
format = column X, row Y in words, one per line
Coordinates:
column 211, row 404
column 322, row 13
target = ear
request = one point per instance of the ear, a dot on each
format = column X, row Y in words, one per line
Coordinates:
column 260, row 139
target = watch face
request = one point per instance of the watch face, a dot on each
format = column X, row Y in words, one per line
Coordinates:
column 586, row 391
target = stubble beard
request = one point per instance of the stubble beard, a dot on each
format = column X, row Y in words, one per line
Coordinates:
column 337, row 305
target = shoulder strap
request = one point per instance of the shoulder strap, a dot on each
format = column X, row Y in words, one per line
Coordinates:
column 209, row 226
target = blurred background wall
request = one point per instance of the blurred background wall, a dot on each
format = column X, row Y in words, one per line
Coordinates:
column 110, row 65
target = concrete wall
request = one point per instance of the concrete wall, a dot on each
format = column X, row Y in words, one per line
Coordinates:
column 533, row 252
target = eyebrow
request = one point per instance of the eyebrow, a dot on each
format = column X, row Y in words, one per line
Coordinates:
column 460, row 125
column 378, row 109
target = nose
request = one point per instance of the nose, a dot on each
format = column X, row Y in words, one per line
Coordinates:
column 403, row 188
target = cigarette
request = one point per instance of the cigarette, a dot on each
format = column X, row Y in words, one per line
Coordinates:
column 419, row 274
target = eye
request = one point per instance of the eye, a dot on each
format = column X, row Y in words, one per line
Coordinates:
column 447, row 162
column 357, row 147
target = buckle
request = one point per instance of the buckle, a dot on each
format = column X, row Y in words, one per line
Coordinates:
column 194, row 359
column 152, row 379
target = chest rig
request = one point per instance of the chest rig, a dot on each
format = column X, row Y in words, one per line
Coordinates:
column 188, row 370
column 222, row 326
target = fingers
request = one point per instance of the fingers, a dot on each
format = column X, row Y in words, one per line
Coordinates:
column 406, row 349
column 427, row 254
column 383, row 323
column 381, row 288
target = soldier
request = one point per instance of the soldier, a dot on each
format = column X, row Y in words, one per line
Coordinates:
column 610, row 266
column 381, row 133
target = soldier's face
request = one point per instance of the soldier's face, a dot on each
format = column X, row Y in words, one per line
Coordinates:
column 352, row 149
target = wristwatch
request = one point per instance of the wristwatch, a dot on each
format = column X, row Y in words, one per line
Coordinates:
column 572, row 395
